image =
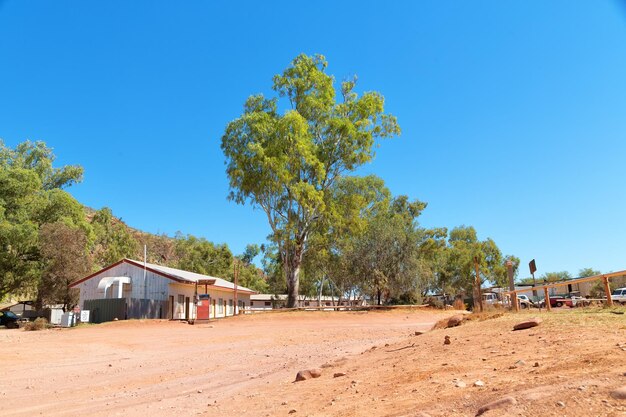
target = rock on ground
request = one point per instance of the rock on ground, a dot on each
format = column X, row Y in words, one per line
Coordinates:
column 455, row 320
column 308, row 374
column 503, row 402
column 619, row 394
column 528, row 324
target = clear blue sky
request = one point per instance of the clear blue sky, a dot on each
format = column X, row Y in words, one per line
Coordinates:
column 513, row 112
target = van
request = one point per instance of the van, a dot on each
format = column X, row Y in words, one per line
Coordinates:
column 491, row 298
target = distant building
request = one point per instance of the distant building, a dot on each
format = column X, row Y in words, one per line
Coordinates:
column 131, row 289
column 262, row 302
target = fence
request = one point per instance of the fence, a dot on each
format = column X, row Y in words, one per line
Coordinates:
column 604, row 277
column 121, row 308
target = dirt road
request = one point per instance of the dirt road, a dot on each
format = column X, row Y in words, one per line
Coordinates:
column 246, row 366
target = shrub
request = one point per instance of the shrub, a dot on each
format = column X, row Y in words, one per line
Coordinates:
column 434, row 302
column 39, row 324
column 458, row 304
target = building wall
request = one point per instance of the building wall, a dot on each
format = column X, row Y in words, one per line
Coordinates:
column 222, row 301
column 263, row 302
column 162, row 289
column 157, row 286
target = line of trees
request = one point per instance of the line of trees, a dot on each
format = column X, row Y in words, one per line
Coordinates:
column 331, row 232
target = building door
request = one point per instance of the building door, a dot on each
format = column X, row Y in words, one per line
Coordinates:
column 214, row 309
column 180, row 307
column 186, row 308
column 171, row 307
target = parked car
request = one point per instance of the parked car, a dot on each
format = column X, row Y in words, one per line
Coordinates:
column 524, row 301
column 9, row 319
column 619, row 295
column 561, row 300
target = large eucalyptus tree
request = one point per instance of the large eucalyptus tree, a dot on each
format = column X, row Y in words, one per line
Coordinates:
column 287, row 162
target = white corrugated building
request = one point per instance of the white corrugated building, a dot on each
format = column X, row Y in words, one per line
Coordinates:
column 132, row 289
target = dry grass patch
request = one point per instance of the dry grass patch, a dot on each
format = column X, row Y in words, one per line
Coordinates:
column 39, row 324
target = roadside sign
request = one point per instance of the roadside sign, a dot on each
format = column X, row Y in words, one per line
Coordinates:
column 532, row 266
column 84, row 316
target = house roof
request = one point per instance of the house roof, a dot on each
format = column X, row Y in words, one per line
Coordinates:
column 178, row 275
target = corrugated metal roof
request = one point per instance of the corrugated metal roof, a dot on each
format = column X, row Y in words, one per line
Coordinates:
column 192, row 277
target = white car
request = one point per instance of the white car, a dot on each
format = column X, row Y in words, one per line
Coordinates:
column 524, row 301
column 619, row 295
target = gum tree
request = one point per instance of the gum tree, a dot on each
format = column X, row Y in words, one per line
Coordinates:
column 31, row 195
column 285, row 163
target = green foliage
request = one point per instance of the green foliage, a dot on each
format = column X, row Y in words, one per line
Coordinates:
column 547, row 277
column 65, row 259
column 248, row 274
column 113, row 241
column 31, row 196
column 459, row 273
column 387, row 256
column 273, row 270
column 204, row 257
column 251, row 252
column 287, row 163
column 588, row 272
column 37, row 159
column 556, row 276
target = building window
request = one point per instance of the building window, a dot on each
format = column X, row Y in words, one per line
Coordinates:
column 221, row 306
column 251, row 303
column 268, row 303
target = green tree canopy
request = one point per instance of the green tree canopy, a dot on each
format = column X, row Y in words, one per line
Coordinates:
column 286, row 164
column 65, row 260
column 248, row 274
column 113, row 240
column 459, row 270
column 202, row 256
column 31, row 196
column 588, row 272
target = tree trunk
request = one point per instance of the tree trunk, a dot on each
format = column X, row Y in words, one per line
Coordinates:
column 293, row 285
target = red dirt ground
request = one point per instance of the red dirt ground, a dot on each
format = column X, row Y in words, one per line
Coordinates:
column 247, row 365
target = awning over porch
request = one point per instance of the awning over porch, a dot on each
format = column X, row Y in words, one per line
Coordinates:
column 106, row 282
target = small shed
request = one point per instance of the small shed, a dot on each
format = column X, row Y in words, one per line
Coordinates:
column 134, row 289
